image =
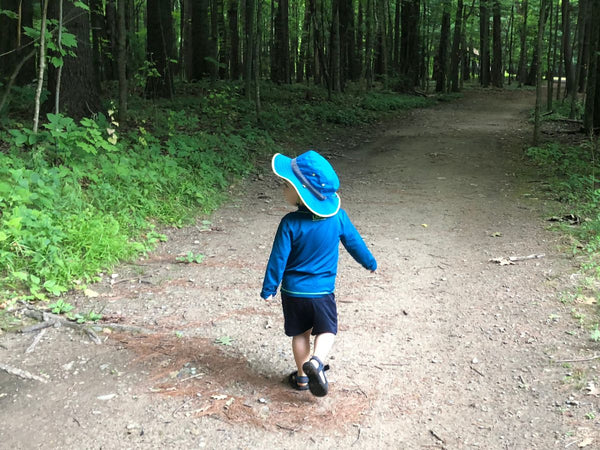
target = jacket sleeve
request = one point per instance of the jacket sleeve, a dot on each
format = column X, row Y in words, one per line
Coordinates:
column 354, row 243
column 277, row 261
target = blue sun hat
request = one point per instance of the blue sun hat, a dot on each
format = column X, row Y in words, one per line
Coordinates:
column 313, row 178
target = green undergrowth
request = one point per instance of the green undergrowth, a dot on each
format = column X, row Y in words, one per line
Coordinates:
column 573, row 172
column 77, row 198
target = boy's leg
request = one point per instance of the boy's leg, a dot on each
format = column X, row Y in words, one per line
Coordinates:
column 301, row 349
column 323, row 344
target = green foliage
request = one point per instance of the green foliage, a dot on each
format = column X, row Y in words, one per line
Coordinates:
column 61, row 307
column 77, row 198
column 191, row 258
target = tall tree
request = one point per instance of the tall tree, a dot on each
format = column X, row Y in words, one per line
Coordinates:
column 538, row 72
column 201, row 38
column 82, row 97
column 580, row 30
column 159, row 48
column 280, row 71
column 122, row 61
column 234, row 38
column 9, row 30
column 497, row 72
column 522, row 68
column 409, row 40
column 566, row 45
column 442, row 56
column 455, row 55
column 249, row 47
column 591, row 117
column 484, row 43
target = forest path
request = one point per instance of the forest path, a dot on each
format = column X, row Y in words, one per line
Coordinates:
column 440, row 348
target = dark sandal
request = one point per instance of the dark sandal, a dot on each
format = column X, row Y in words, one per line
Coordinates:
column 294, row 381
column 317, row 382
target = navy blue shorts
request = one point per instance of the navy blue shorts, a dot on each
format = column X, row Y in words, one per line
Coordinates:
column 302, row 314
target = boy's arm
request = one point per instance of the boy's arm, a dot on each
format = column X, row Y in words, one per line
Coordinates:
column 277, row 260
column 355, row 245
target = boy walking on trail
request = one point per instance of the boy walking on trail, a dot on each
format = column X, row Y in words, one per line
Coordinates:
column 304, row 260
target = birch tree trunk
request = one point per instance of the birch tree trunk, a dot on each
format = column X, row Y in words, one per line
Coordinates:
column 42, row 66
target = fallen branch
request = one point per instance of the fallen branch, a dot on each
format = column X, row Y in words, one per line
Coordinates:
column 591, row 358
column 512, row 259
column 47, row 317
column 36, row 339
column 21, row 373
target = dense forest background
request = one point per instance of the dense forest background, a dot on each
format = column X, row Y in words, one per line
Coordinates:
column 117, row 115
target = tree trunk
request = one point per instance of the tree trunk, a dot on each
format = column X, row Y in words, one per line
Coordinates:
column 497, row 74
column 550, row 73
column 234, row 38
column 522, row 69
column 442, row 56
column 111, row 71
column 320, row 47
column 301, row 71
column 484, row 43
column 97, row 24
column 201, row 38
column 249, row 48
column 510, row 43
column 566, row 46
column 578, row 68
column 159, row 45
column 409, row 40
column 42, row 59
column 122, row 61
column 538, row 84
column 280, row 70
column 591, row 117
column 256, row 63
column 9, row 30
column 214, row 40
column 223, row 44
column 335, row 47
column 82, row 97
column 455, row 56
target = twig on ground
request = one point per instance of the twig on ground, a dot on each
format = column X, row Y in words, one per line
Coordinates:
column 435, row 435
column 36, row 339
column 286, row 428
column 476, row 371
column 591, row 358
column 38, row 326
column 357, row 437
column 21, row 373
column 47, row 317
column 181, row 406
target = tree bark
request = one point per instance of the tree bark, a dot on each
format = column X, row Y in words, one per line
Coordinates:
column 550, row 72
column 455, row 56
column 159, row 45
column 442, row 56
column 566, row 45
column 249, row 48
column 82, row 98
column 538, row 91
column 234, row 38
column 484, row 44
column 591, row 117
column 200, row 38
column 42, row 59
column 122, row 61
column 497, row 74
column 522, row 69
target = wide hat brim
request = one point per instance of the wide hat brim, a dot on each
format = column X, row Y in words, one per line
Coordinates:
column 282, row 166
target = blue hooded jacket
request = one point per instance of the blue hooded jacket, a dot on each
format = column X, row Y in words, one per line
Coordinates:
column 305, row 254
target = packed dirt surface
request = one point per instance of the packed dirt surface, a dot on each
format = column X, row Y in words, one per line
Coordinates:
column 441, row 348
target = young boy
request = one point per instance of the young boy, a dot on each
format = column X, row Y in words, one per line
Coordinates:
column 304, row 260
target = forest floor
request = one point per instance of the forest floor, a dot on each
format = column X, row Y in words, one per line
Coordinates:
column 440, row 348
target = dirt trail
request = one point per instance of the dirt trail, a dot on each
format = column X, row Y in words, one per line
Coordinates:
column 441, row 348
